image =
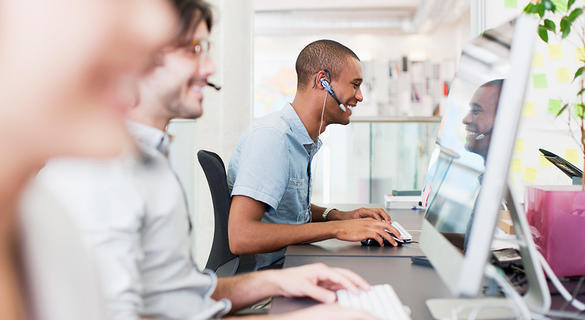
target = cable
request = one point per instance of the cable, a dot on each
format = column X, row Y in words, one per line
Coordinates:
column 322, row 113
column 520, row 308
column 557, row 283
column 575, row 293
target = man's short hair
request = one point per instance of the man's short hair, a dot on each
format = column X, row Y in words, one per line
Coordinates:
column 191, row 13
column 319, row 55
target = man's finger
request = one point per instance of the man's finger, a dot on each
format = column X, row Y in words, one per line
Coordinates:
column 355, row 278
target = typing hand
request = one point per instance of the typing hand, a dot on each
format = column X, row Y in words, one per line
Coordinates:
column 361, row 229
column 318, row 281
column 328, row 311
column 374, row 213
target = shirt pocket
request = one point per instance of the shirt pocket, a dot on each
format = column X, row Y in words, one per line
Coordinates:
column 297, row 183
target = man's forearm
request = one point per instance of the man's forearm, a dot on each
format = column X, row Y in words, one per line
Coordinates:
column 247, row 289
column 336, row 214
column 261, row 237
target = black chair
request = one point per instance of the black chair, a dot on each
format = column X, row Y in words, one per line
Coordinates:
column 221, row 259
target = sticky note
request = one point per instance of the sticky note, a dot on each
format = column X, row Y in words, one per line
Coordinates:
column 580, row 54
column 530, row 175
column 561, row 5
column 544, row 163
column 572, row 155
column 519, row 148
column 510, row 4
column 516, row 165
column 539, row 81
column 563, row 75
column 554, row 106
column 528, row 110
column 537, row 60
column 555, row 51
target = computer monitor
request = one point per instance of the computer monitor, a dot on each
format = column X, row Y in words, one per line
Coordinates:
column 468, row 178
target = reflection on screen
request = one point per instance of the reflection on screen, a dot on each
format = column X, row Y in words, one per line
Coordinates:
column 454, row 178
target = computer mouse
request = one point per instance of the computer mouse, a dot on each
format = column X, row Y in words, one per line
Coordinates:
column 373, row 243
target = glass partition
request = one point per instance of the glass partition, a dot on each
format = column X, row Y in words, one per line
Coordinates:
column 370, row 157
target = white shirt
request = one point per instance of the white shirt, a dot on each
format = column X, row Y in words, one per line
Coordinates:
column 133, row 213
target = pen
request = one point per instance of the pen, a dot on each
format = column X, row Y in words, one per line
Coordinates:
column 417, row 208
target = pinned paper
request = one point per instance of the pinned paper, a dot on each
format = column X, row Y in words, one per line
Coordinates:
column 544, row 163
column 563, row 75
column 519, row 148
column 537, row 60
column 539, row 81
column 511, row 4
column 528, row 110
column 555, row 51
column 516, row 165
column 580, row 54
column 572, row 155
column 561, row 5
column 554, row 106
column 530, row 175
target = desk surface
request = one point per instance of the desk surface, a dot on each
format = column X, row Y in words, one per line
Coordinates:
column 413, row 284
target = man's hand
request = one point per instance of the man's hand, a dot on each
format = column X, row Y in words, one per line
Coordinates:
column 361, row 229
column 374, row 213
column 317, row 281
column 328, row 311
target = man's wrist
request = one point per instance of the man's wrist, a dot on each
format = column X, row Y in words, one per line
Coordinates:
column 336, row 214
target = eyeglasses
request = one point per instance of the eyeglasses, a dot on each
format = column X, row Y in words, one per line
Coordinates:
column 200, row 48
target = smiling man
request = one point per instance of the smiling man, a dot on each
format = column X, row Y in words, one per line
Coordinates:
column 270, row 170
column 479, row 122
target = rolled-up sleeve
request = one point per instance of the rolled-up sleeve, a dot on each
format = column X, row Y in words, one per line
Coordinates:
column 263, row 168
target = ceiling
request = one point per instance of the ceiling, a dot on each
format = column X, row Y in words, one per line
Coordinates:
column 392, row 16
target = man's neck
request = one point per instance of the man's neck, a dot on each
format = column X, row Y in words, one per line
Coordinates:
column 309, row 111
column 149, row 114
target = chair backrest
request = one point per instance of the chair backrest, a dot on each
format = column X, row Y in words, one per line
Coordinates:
column 215, row 173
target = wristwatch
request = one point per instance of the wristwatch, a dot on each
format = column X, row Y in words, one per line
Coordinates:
column 326, row 212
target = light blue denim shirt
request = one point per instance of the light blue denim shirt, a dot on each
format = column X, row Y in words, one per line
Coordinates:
column 272, row 164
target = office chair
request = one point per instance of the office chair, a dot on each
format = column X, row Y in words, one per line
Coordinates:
column 221, row 259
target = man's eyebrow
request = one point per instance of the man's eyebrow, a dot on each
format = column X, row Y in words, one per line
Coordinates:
column 476, row 105
column 358, row 80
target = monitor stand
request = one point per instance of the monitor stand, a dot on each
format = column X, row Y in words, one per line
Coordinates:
column 537, row 297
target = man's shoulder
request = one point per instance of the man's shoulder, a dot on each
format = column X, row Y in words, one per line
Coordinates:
column 272, row 126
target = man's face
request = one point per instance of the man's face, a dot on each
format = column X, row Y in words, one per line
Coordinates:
column 479, row 122
column 65, row 68
column 347, row 89
column 178, row 82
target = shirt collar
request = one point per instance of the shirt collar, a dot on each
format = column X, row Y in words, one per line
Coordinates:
column 149, row 137
column 298, row 129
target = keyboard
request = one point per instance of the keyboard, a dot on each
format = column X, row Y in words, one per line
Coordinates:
column 407, row 237
column 381, row 301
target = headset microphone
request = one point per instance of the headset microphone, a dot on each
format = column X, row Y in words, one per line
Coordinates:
column 329, row 90
column 214, row 86
column 483, row 135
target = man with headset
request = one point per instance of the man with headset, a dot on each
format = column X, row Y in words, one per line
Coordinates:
column 270, row 170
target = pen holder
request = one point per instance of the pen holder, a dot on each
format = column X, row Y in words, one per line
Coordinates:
column 556, row 215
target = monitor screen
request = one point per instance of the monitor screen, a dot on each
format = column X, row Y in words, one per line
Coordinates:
column 467, row 178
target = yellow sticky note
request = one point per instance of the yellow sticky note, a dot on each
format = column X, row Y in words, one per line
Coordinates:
column 537, row 60
column 580, row 54
column 519, row 148
column 572, row 155
column 563, row 75
column 530, row 175
column 555, row 51
column 528, row 110
column 544, row 163
column 516, row 165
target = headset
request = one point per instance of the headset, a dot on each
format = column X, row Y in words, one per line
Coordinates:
column 329, row 90
column 484, row 135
